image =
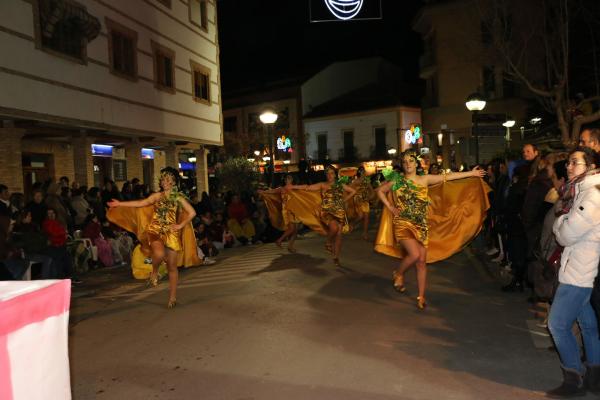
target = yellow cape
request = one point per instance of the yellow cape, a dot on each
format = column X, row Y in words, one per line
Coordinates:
column 135, row 220
column 305, row 205
column 456, row 213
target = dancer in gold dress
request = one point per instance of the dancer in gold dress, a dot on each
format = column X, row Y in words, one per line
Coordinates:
column 409, row 207
column 333, row 212
column 360, row 202
column 289, row 222
column 162, row 233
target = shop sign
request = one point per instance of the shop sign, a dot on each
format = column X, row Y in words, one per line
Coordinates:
column 102, row 150
column 147, row 154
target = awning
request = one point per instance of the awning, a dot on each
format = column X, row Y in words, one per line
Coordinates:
column 54, row 11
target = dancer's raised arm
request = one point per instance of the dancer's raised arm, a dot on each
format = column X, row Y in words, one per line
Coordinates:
column 435, row 179
column 148, row 201
column 315, row 187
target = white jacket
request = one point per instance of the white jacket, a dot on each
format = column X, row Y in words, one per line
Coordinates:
column 579, row 232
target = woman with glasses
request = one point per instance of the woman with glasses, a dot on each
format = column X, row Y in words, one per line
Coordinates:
column 577, row 229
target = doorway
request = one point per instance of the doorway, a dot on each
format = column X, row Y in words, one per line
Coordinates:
column 37, row 168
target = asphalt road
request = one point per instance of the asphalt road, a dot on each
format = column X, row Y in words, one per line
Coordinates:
column 265, row 324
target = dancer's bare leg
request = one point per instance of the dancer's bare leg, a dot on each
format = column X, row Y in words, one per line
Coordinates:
column 422, row 271
column 289, row 231
column 337, row 247
column 365, row 219
column 412, row 252
column 158, row 256
column 292, row 239
column 332, row 229
column 173, row 275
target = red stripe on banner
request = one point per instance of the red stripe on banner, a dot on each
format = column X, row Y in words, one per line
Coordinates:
column 5, row 379
column 35, row 306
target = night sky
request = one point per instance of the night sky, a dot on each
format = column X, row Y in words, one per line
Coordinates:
column 265, row 41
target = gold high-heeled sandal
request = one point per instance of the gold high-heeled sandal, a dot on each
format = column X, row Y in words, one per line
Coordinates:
column 336, row 262
column 292, row 250
column 421, row 303
column 329, row 248
column 398, row 282
column 152, row 281
column 172, row 303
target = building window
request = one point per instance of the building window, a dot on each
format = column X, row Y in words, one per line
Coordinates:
column 322, row 146
column 380, row 143
column 164, row 67
column 64, row 29
column 348, row 137
column 489, row 82
column 509, row 86
column 432, row 97
column 230, row 124
column 199, row 13
column 122, row 48
column 487, row 37
column 201, row 82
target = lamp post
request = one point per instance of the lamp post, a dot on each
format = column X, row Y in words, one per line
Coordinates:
column 475, row 103
column 510, row 122
column 269, row 117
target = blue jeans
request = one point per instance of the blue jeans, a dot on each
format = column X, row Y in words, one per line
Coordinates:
column 572, row 303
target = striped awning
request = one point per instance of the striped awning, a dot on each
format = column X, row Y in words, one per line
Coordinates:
column 54, row 11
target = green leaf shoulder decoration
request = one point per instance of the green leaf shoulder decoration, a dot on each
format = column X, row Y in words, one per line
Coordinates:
column 399, row 180
column 343, row 180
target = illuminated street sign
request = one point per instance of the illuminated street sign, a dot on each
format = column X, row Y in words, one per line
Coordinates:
column 344, row 10
column 284, row 144
column 413, row 135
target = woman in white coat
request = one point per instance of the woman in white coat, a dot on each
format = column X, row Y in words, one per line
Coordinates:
column 577, row 229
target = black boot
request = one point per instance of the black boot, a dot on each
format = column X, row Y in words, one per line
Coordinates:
column 572, row 386
column 592, row 378
column 514, row 286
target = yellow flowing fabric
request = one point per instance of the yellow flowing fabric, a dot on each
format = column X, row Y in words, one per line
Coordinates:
column 305, row 206
column 139, row 220
column 456, row 212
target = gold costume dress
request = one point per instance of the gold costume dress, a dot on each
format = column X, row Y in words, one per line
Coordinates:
column 362, row 197
column 332, row 205
column 152, row 223
column 288, row 215
column 444, row 217
column 411, row 200
column 313, row 209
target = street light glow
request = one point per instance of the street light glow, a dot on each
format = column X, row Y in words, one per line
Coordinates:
column 392, row 151
column 475, row 102
column 509, row 123
column 266, row 158
column 268, row 117
column 535, row 120
column 257, row 153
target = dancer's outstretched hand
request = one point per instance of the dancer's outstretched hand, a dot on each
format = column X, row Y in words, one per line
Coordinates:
column 114, row 203
column 478, row 172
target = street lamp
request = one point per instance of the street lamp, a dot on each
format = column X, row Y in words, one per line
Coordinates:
column 392, row 152
column 269, row 117
column 257, row 153
column 475, row 103
column 508, row 124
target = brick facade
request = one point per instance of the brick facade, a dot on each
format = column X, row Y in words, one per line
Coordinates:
column 83, row 161
column 62, row 156
column 11, row 167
